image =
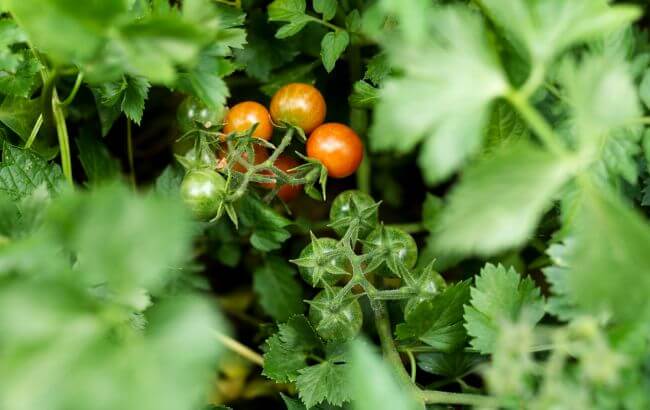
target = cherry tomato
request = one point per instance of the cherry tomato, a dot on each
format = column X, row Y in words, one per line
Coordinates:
column 193, row 112
column 299, row 104
column 390, row 242
column 333, row 322
column 244, row 115
column 287, row 192
column 200, row 190
column 428, row 285
column 338, row 147
column 341, row 208
column 323, row 259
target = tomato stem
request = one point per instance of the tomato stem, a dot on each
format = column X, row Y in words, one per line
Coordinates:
column 75, row 89
column 34, row 133
column 239, row 348
column 64, row 139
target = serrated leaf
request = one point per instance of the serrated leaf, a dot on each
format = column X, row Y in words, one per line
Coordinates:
column 560, row 302
column 500, row 295
column 292, row 28
column 290, row 11
column 333, row 45
column 204, row 82
column 21, row 82
column 644, row 88
column 363, row 95
column 286, row 351
column 518, row 182
column 267, row 226
column 378, row 69
column 24, row 171
column 610, row 238
column 279, row 291
column 505, row 127
column 451, row 365
column 373, row 385
column 438, row 322
column 19, row 114
column 444, row 96
column 323, row 382
column 326, row 7
column 542, row 29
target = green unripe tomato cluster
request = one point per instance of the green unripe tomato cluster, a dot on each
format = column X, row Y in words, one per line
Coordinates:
column 201, row 191
column 336, row 323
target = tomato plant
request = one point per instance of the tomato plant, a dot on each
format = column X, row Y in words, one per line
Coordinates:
column 327, row 204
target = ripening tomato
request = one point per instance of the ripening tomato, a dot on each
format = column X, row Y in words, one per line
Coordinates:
column 286, row 193
column 244, row 115
column 338, row 147
column 201, row 191
column 299, row 104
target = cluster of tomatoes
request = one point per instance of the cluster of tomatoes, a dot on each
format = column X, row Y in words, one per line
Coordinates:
column 298, row 105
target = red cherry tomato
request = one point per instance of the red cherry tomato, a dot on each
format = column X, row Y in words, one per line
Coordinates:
column 299, row 104
column 338, row 147
column 244, row 115
column 288, row 192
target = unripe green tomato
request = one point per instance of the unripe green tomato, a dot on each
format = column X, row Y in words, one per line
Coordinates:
column 347, row 319
column 327, row 245
column 392, row 241
column 193, row 113
column 341, row 209
column 201, row 191
column 431, row 286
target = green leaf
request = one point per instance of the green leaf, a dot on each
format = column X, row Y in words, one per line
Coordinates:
column 333, row 45
column 303, row 73
column 81, row 27
column 204, row 82
column 438, row 322
column 444, row 96
column 267, row 226
column 127, row 95
column 20, row 114
column 560, row 302
column 610, row 238
column 505, row 127
column 286, row 351
column 169, row 182
column 378, row 69
column 431, row 210
column 363, row 95
column 291, row 11
column 500, row 295
column 24, row 171
column 644, row 88
column 518, row 182
column 323, row 382
column 450, row 365
column 22, row 81
column 153, row 47
column 373, row 385
column 593, row 87
column 279, row 292
column 542, row 29
column 97, row 162
column 326, row 7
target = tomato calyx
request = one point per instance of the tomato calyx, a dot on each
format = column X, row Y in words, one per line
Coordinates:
column 390, row 251
column 336, row 317
column 354, row 212
column 322, row 262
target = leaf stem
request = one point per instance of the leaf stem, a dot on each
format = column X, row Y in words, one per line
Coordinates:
column 414, row 369
column 237, row 347
column 62, row 133
column 129, row 152
column 75, row 89
column 537, row 122
column 443, row 397
column 324, row 23
column 34, row 133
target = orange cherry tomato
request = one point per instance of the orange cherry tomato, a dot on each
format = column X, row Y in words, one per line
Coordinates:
column 338, row 147
column 286, row 192
column 261, row 155
column 244, row 115
column 299, row 104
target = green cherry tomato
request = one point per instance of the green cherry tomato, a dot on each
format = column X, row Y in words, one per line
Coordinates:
column 428, row 285
column 390, row 242
column 337, row 323
column 201, row 191
column 319, row 262
column 193, row 113
column 342, row 209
